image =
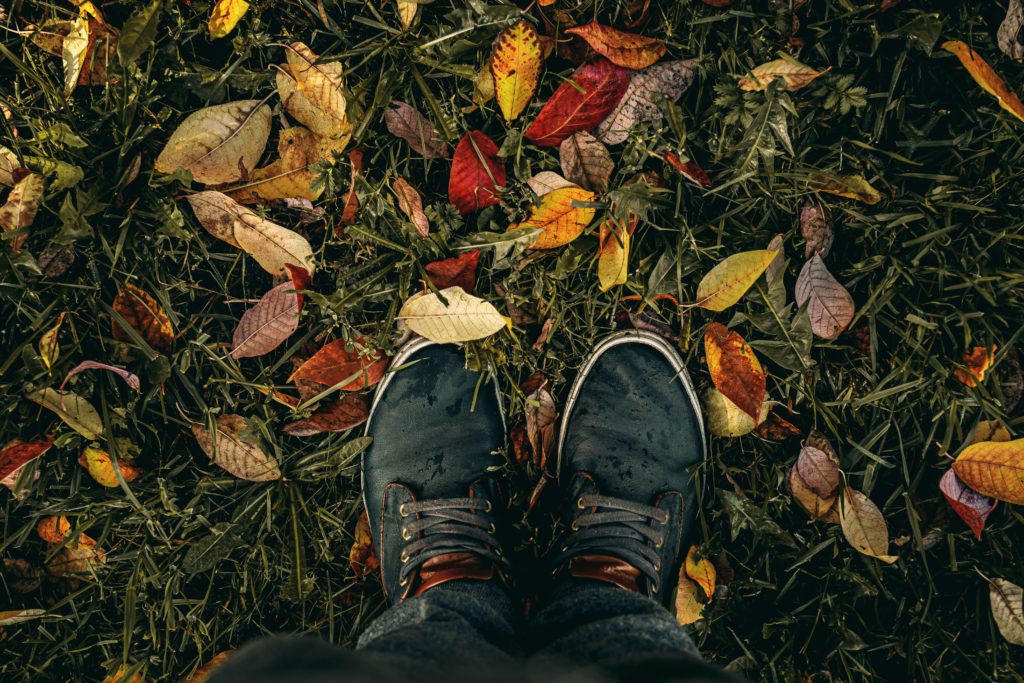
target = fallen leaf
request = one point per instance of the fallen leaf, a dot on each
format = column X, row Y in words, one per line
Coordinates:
column 144, row 315
column 319, row 81
column 829, row 306
column 688, row 603
column 333, row 130
column 74, row 50
column 989, row 430
column 1007, row 601
column 130, row 378
column 689, row 170
column 411, row 204
column 16, row 454
column 986, row 77
column 403, row 121
column 20, row 209
column 361, row 557
column 734, row 368
column 267, row 325
column 120, row 675
column 819, row 471
column 49, row 348
column 56, row 259
column 815, row 231
column 218, row 144
column 100, row 466
column 483, row 86
column 612, row 255
column 203, row 673
column 17, row 616
column 628, row 50
column 580, row 103
column 701, row 570
column 849, row 186
column 777, row 428
column 139, row 32
column 230, row 447
column 969, row 505
column 816, row 506
column 477, row 175
column 725, row 418
column 666, row 81
column 290, row 176
column 226, row 15
column 8, row 163
column 74, row 410
column 774, row 270
column 407, row 11
column 1009, row 29
column 81, row 556
column 561, row 221
column 864, row 526
column 994, row 469
column 794, row 74
column 586, row 161
column 464, row 318
column 540, row 424
column 977, row 360
column 272, row 245
column 53, row 529
column 22, row 577
column 515, row 66
column 731, row 278
column 458, row 271
column 347, row 412
column 352, row 368
column 547, row 181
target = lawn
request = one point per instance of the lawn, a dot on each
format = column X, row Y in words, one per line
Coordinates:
column 176, row 559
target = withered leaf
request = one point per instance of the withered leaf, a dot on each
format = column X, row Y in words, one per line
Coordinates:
column 144, row 315
column 403, row 121
column 230, row 446
column 347, row 412
column 586, row 161
column 829, row 306
column 666, row 81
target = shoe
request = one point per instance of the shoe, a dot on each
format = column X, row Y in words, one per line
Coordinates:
column 631, row 439
column 428, row 486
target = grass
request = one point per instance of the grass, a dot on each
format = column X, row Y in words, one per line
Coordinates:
column 199, row 562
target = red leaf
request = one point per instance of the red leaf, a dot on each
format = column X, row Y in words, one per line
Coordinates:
column 475, row 176
column 348, row 212
column 691, row 171
column 333, row 364
column 459, row 271
column 300, row 279
column 267, row 324
column 16, row 454
column 972, row 507
column 347, row 412
column 569, row 110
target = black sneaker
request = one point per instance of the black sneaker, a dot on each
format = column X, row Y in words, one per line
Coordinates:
column 627, row 450
column 430, row 497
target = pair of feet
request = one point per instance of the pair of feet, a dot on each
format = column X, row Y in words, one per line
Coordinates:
column 630, row 437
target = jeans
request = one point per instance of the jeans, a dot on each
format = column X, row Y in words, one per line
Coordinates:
column 585, row 632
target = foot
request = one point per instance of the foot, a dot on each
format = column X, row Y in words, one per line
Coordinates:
column 428, row 491
column 628, row 447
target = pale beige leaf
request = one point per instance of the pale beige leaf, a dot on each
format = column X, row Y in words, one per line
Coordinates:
column 794, row 74
column 731, row 278
column 725, row 418
column 547, row 181
column 1009, row 29
column 8, row 162
column 586, row 161
column 20, row 209
column 218, row 144
column 864, row 525
column 272, row 245
column 774, row 270
column 666, row 81
column 411, row 204
column 1008, row 609
column 230, row 447
column 407, row 11
column 74, row 49
column 74, row 410
column 320, row 82
column 464, row 318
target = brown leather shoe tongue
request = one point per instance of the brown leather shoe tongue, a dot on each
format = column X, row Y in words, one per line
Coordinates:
column 452, row 567
column 606, row 568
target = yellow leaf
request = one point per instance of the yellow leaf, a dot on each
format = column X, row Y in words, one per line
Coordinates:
column 101, row 468
column 407, row 11
column 515, row 64
column 986, row 77
column 558, row 218
column 320, row 82
column 864, row 525
column 794, row 74
column 49, row 349
column 74, row 48
column 483, row 86
column 729, row 280
column 849, row 186
column 977, row 361
column 226, row 14
column 464, row 318
column 19, row 211
column 289, row 176
column 702, row 571
column 121, row 676
column 333, row 127
column 74, row 410
column 725, row 418
column 688, row 601
column 53, row 529
column 612, row 255
column 994, row 469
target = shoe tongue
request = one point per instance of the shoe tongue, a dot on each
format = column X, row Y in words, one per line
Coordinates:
column 607, row 568
column 452, row 567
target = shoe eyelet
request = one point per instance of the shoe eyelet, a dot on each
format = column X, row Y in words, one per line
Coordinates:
column 488, row 508
column 406, row 536
column 498, row 552
column 659, row 544
column 574, row 527
column 401, row 510
column 404, row 582
column 404, row 557
column 657, row 566
column 493, row 528
column 579, row 502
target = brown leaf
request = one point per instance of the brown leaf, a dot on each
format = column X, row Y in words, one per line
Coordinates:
column 19, row 211
column 1009, row 29
column 815, row 230
column 334, row 364
column 411, row 204
column 816, row 506
column 669, row 80
column 864, row 525
column 17, row 453
column 689, row 170
column 586, row 161
column 540, row 424
column 777, row 428
column 21, row 576
column 56, row 259
column 403, row 121
column 53, row 529
column 459, row 271
column 1007, row 600
column 829, row 306
column 361, row 556
column 794, row 74
column 265, row 326
column 628, row 50
column 734, row 369
column 348, row 212
column 819, row 471
column 774, row 270
column 144, row 315
column 231, row 447
column 347, row 412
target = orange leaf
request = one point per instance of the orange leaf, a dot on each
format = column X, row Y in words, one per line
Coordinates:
column 628, row 50
column 53, row 529
column 361, row 556
column 558, row 218
column 145, row 316
column 357, row 368
column 994, row 469
column 986, row 77
column 702, row 571
column 735, row 369
column 101, row 468
column 978, row 361
column 515, row 65
column 202, row 674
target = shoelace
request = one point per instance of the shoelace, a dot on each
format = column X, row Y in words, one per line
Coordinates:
column 447, row 525
column 621, row 528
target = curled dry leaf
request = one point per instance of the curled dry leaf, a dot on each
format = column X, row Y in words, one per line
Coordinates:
column 18, row 616
column 334, row 132
column 1009, row 29
column 403, row 121
column 580, row 103
column 411, row 204
column 8, row 162
column 74, row 410
column 20, row 209
column 352, row 365
column 816, row 506
column 100, row 466
column 864, row 525
column 977, row 360
column 689, row 601
column 773, row 272
column 515, row 65
column 130, row 378
column 1007, row 600
column 81, row 556
column 16, row 454
column 849, row 186
column 218, row 144
column 540, row 424
column 794, row 74
column 969, row 505
column 226, row 15
column 477, row 175
column 347, row 412
column 666, row 81
column 829, row 306
column 994, row 469
column 265, row 326
column 547, row 181
column 361, row 557
column 232, row 448
column 777, row 428
column 49, row 348
column 731, row 278
column 463, row 318
column 289, row 177
column 348, row 212
column 689, row 170
column 612, row 254
column 53, row 529
column 272, row 245
column 701, row 570
column 818, row 471
column 458, row 271
column 319, row 81
column 725, row 418
column 628, row 50
column 74, row 51
column 144, row 315
column 734, row 369
column 815, row 230
column 986, row 77
column 558, row 217
column 586, row 161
